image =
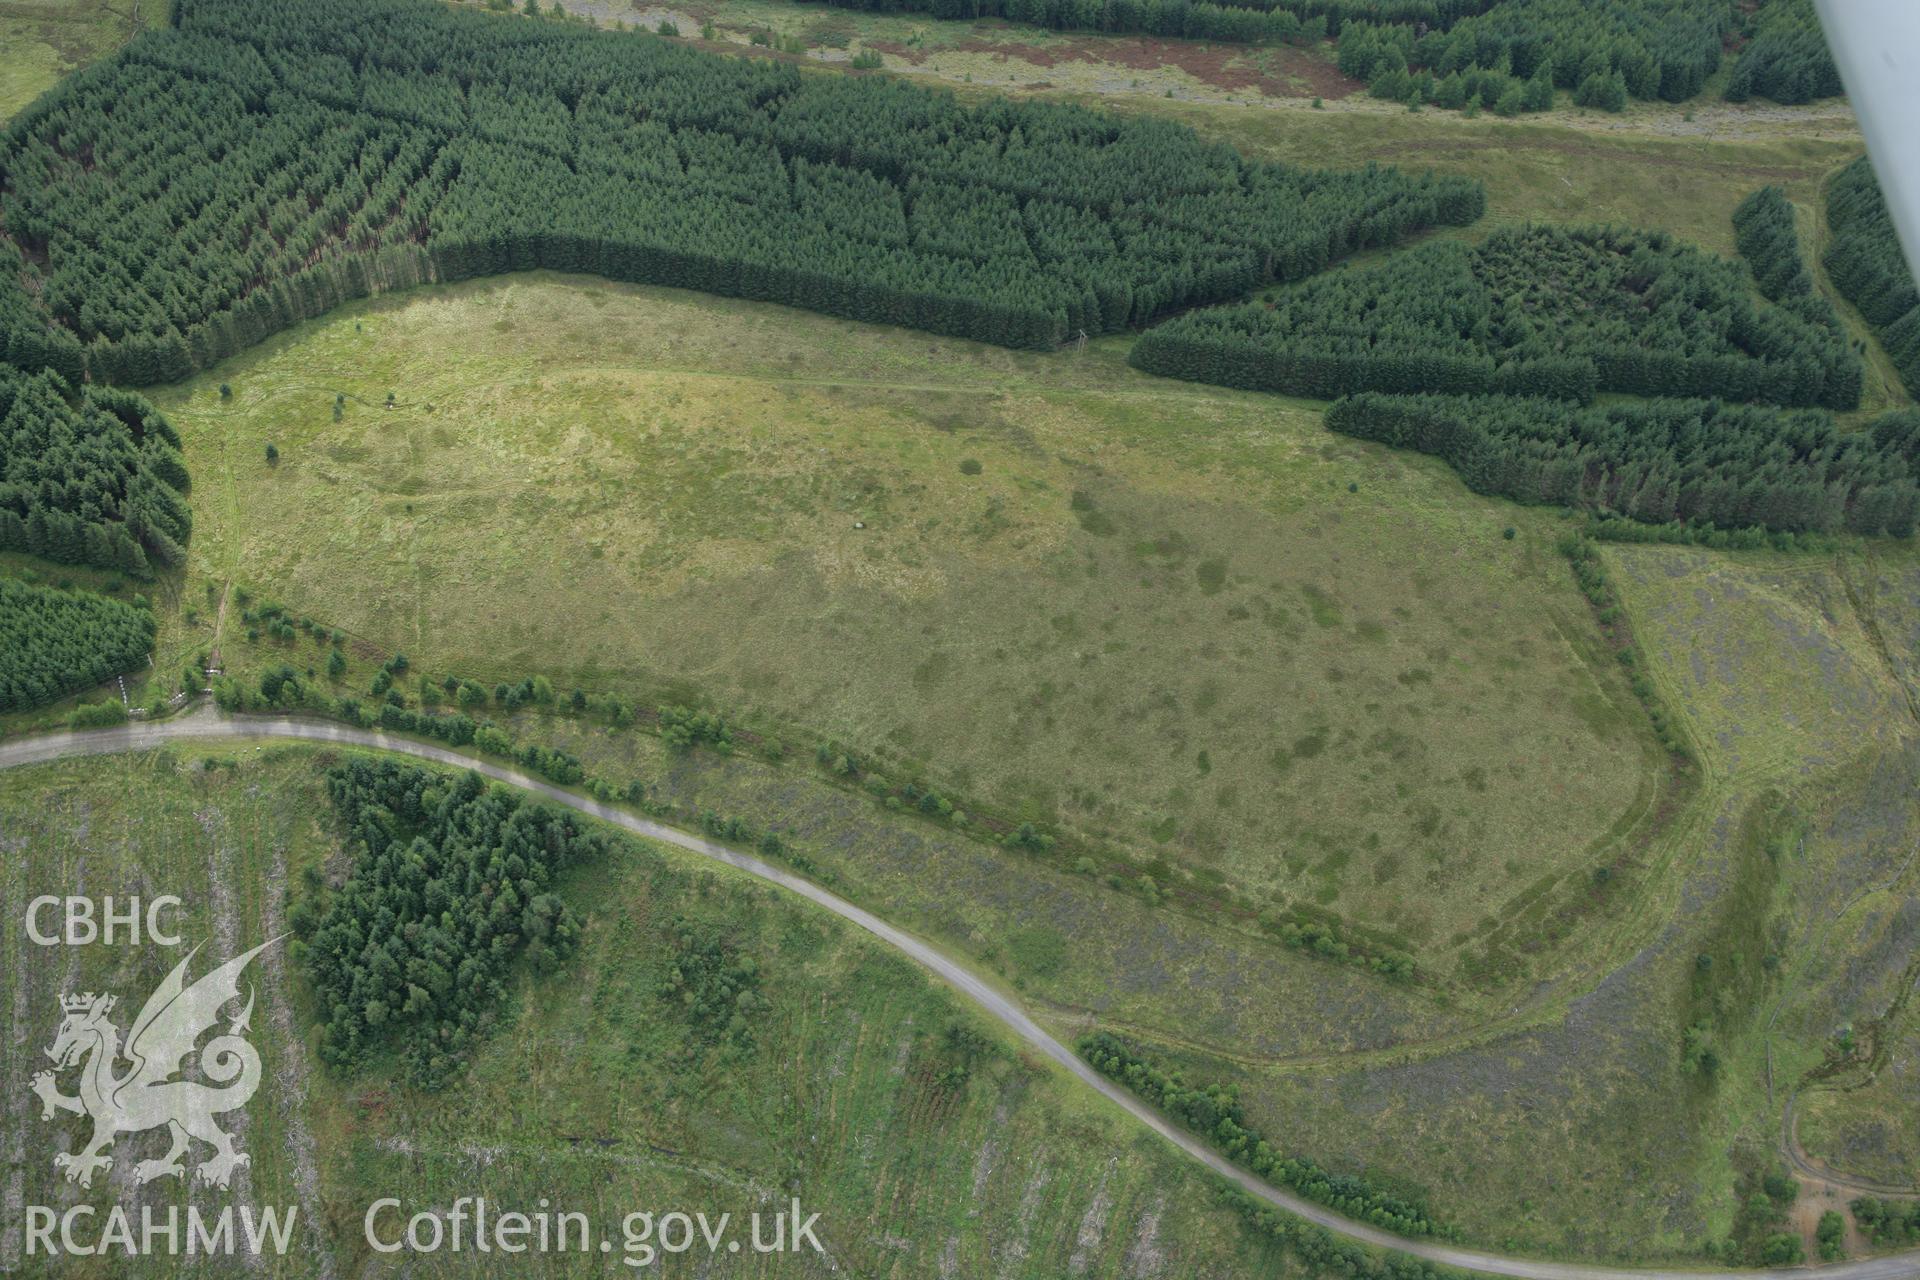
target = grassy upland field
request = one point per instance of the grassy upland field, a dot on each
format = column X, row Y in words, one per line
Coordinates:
column 1851, row 1004
column 42, row 40
column 930, row 636
column 1869, row 1131
column 1864, row 1126
column 1147, row 618
column 596, row 1091
column 598, row 401
column 1281, row 672
column 1794, row 877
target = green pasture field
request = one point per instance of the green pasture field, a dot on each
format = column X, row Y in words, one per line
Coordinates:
column 42, row 40
column 595, row 1093
column 1186, row 623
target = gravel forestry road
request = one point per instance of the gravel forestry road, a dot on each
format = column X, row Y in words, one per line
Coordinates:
column 205, row 724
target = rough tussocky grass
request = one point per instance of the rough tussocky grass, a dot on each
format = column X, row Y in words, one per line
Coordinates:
column 42, row 40
column 1287, row 666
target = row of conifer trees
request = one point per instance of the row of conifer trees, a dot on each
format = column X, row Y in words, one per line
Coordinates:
column 1540, row 310
column 1865, row 263
column 258, row 163
column 1694, row 462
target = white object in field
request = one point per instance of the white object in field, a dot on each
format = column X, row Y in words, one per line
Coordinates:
column 1877, row 45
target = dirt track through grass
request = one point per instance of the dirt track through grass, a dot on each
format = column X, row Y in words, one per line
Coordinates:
column 979, row 992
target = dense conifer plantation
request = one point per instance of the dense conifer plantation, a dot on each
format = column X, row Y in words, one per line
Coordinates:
column 260, row 162
column 1765, row 233
column 94, row 478
column 1511, row 55
column 1690, row 461
column 53, row 643
column 1539, row 310
column 1866, row 264
column 1767, row 238
column 1786, row 57
column 1602, row 53
column 452, row 882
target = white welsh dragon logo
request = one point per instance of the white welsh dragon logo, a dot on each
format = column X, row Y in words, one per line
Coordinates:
column 145, row 1096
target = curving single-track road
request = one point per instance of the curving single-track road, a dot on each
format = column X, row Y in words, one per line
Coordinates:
column 206, row 724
